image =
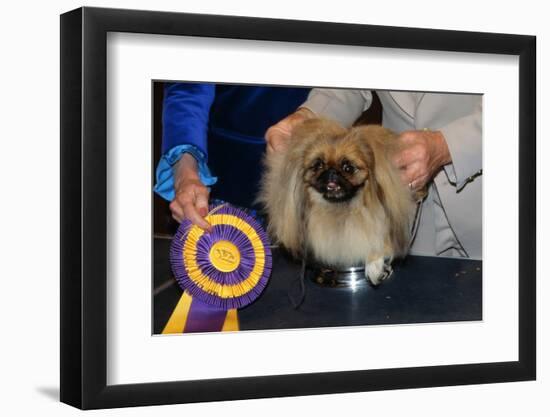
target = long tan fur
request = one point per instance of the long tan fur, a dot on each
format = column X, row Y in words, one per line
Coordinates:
column 373, row 225
column 282, row 190
column 387, row 190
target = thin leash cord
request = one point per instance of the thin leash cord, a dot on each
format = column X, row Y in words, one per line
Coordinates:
column 302, row 283
column 302, row 278
column 416, row 222
column 452, row 230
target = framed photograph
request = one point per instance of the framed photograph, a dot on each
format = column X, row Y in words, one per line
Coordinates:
column 257, row 208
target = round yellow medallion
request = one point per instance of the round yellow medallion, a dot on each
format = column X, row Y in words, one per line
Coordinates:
column 225, row 256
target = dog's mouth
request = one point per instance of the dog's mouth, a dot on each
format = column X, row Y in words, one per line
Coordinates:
column 335, row 189
column 336, row 193
column 333, row 186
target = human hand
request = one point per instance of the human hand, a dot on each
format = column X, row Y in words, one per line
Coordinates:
column 421, row 155
column 191, row 201
column 278, row 135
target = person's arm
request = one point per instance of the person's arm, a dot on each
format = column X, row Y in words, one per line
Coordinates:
column 454, row 147
column 343, row 106
column 182, row 173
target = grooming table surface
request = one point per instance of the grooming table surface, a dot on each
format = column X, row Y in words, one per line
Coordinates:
column 421, row 290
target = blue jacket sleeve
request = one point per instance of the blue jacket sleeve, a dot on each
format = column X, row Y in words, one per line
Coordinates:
column 186, row 108
column 185, row 115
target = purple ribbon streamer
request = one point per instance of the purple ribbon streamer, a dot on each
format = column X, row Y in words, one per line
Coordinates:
column 204, row 317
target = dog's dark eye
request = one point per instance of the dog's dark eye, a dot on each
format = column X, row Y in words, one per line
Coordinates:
column 317, row 164
column 348, row 167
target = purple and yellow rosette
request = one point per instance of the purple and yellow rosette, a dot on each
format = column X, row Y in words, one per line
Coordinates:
column 219, row 271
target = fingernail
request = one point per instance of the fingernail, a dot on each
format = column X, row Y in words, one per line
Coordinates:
column 203, row 212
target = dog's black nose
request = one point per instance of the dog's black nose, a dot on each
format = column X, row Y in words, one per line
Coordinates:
column 331, row 174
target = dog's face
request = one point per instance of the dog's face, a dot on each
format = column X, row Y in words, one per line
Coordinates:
column 337, row 167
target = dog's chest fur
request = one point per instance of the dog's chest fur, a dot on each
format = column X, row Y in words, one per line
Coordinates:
column 344, row 234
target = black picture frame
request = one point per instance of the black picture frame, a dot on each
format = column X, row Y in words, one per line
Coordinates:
column 84, row 207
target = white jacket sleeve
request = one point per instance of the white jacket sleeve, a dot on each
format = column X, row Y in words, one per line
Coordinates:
column 463, row 137
column 343, row 106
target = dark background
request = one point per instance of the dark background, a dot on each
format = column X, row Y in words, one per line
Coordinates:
column 162, row 219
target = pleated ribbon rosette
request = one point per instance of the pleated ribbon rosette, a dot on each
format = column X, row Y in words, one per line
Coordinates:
column 219, row 271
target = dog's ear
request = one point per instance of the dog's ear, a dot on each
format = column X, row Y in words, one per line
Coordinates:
column 386, row 186
column 282, row 196
column 282, row 190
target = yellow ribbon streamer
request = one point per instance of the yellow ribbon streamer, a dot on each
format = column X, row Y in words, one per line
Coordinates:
column 231, row 323
column 178, row 318
column 176, row 322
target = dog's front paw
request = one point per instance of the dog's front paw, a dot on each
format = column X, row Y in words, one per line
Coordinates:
column 377, row 271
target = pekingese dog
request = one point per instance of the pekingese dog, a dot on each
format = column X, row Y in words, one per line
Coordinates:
column 334, row 194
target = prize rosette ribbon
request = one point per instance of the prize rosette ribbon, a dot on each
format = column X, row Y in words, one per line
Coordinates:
column 219, row 271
